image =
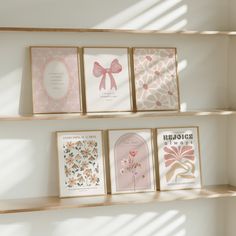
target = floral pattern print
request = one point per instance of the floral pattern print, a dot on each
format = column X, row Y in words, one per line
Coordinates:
column 80, row 164
column 156, row 79
column 180, row 161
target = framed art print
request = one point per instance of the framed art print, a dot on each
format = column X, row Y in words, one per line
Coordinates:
column 179, row 158
column 155, row 78
column 107, row 79
column 81, row 163
column 55, row 79
column 131, row 161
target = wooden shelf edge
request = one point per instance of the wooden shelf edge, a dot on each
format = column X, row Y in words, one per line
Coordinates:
column 118, row 115
column 131, row 31
column 55, row 203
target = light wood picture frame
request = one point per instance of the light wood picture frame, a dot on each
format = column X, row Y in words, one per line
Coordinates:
column 81, row 159
column 155, row 75
column 56, row 80
column 107, row 79
column 179, row 158
column 131, row 159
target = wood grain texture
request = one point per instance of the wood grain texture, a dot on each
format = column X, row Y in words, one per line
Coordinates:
column 53, row 203
column 156, row 114
column 131, row 31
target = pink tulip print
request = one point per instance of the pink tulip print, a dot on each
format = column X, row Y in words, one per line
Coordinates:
column 131, row 165
column 132, row 162
column 180, row 163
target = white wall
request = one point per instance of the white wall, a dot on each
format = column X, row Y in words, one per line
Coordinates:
column 232, row 15
column 141, row 14
column 164, row 219
column 230, row 217
column 28, row 164
column 231, row 204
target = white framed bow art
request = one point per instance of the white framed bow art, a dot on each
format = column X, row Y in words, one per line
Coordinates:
column 107, row 79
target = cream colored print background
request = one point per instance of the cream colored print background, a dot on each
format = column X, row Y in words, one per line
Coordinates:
column 156, row 78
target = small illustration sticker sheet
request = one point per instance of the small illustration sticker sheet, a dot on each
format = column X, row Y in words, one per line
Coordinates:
column 156, row 82
column 131, row 161
column 81, row 163
column 179, row 158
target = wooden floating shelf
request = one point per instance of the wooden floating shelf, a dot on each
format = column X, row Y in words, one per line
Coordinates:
column 118, row 115
column 130, row 31
column 55, row 203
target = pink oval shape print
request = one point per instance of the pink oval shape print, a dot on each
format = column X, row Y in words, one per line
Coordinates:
column 132, row 167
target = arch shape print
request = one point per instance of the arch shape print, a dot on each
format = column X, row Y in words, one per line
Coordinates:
column 132, row 167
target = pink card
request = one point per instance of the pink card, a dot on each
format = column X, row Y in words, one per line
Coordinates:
column 131, row 161
column 55, row 80
column 156, row 83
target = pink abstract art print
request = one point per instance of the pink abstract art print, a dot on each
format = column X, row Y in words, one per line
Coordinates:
column 156, row 83
column 55, row 80
column 131, row 161
column 179, row 158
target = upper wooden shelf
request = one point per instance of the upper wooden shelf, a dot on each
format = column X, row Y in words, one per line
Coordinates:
column 53, row 203
column 155, row 114
column 93, row 30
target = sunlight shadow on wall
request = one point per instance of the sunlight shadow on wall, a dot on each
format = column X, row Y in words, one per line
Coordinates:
column 178, row 26
column 170, row 223
column 15, row 158
column 10, row 91
column 127, row 14
column 19, row 229
column 182, row 65
column 149, row 14
column 167, row 19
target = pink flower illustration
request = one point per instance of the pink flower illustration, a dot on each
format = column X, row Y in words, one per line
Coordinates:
column 72, row 182
column 70, row 145
column 67, row 171
column 145, row 86
column 167, row 52
column 133, row 153
column 156, row 100
column 149, row 58
column 169, row 89
column 69, row 160
column 129, row 165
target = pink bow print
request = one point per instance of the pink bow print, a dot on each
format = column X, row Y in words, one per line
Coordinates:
column 98, row 71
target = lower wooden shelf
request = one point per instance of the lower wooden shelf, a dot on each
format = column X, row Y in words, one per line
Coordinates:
column 53, row 203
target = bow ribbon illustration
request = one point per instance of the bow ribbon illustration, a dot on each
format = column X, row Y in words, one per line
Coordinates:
column 98, row 71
